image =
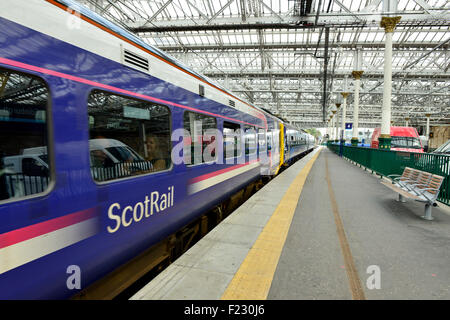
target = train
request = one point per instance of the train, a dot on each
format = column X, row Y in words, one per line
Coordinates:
column 108, row 146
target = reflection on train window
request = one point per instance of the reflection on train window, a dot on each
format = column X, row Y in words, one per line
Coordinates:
column 24, row 164
column 269, row 139
column 273, row 140
column 127, row 137
column 250, row 140
column 231, row 139
column 261, row 140
column 200, row 138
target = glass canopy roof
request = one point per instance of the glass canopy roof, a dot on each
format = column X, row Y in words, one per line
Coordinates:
column 272, row 53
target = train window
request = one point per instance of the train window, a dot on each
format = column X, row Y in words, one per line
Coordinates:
column 269, row 140
column 24, row 164
column 127, row 137
column 200, row 139
column 262, row 140
column 231, row 139
column 250, row 140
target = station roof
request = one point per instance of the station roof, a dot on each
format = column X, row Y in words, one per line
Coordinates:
column 272, row 53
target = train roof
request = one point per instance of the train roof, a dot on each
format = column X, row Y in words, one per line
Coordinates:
column 71, row 4
column 273, row 115
column 128, row 35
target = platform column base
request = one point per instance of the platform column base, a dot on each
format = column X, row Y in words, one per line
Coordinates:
column 341, row 147
column 401, row 198
column 354, row 142
column 428, row 215
column 384, row 143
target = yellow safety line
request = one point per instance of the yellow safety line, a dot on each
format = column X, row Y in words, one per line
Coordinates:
column 253, row 279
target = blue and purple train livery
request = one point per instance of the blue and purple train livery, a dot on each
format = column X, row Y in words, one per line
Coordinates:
column 87, row 177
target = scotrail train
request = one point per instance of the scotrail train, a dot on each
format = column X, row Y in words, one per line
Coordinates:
column 88, row 180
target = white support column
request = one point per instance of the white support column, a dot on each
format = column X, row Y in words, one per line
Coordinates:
column 388, row 23
column 331, row 127
column 337, row 121
column 387, row 87
column 428, row 125
column 357, row 75
column 333, row 124
column 344, row 110
column 407, row 122
column 327, row 131
column 328, row 128
column 428, row 115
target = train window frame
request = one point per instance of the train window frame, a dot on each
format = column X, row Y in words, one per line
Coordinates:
column 131, row 97
column 269, row 138
column 216, row 158
column 242, row 143
column 50, row 137
column 255, row 137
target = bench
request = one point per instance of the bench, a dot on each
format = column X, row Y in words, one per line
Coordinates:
column 418, row 185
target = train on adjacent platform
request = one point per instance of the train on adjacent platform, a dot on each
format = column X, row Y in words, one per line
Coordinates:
column 89, row 173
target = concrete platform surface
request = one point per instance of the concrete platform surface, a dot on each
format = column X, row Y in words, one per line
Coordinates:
column 348, row 238
column 411, row 254
column 206, row 269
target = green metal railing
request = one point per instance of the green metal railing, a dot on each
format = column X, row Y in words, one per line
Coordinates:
column 385, row 162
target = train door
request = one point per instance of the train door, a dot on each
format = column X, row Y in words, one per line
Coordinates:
column 275, row 152
column 250, row 142
column 28, row 200
column 232, row 150
column 281, row 146
column 262, row 144
column 270, row 151
column 286, row 144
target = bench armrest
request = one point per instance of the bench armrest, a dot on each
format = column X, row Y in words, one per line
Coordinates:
column 412, row 187
column 407, row 183
column 422, row 193
column 394, row 175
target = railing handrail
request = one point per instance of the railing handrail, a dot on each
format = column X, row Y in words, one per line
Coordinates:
column 386, row 162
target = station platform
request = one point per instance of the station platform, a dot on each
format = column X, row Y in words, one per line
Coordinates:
column 323, row 229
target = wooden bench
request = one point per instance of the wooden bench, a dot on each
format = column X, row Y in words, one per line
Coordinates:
column 418, row 185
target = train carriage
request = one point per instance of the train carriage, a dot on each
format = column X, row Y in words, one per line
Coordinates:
column 93, row 125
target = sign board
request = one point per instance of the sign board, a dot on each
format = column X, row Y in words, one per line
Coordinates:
column 348, row 125
column 136, row 113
